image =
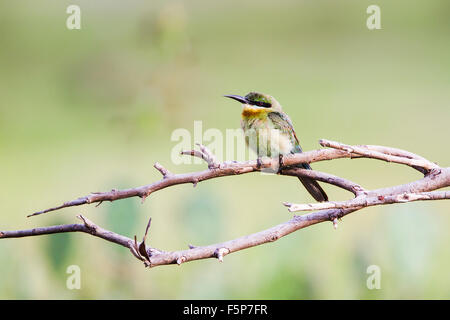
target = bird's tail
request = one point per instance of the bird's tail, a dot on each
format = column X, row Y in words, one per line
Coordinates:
column 313, row 186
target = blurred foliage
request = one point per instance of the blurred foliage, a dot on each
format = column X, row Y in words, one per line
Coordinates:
column 58, row 250
column 93, row 109
column 201, row 217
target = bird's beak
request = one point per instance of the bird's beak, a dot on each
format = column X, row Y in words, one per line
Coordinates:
column 237, row 98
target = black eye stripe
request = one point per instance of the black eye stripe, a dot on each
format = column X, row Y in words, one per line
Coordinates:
column 260, row 104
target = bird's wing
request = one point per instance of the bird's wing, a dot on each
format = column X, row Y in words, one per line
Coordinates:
column 282, row 122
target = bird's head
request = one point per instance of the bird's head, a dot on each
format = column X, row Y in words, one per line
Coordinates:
column 257, row 100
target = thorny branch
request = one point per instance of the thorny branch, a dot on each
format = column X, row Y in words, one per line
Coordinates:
column 435, row 178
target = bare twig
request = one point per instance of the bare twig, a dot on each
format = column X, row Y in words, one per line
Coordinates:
column 375, row 154
column 87, row 227
column 165, row 173
column 204, row 154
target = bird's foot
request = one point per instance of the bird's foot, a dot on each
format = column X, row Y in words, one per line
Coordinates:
column 280, row 163
column 258, row 163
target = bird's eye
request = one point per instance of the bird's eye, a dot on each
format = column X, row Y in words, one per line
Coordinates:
column 261, row 104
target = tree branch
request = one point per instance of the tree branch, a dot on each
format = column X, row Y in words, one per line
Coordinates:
column 422, row 189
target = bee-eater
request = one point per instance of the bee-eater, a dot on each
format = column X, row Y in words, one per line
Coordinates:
column 273, row 132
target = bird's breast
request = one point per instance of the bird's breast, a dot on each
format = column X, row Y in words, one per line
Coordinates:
column 264, row 139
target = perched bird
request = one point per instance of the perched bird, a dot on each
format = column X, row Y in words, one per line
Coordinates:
column 269, row 132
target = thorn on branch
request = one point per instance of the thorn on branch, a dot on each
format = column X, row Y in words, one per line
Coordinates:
column 142, row 248
column 220, row 253
column 335, row 223
column 135, row 249
column 181, row 259
column 146, row 229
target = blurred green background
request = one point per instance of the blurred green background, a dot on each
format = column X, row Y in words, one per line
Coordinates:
column 93, row 109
